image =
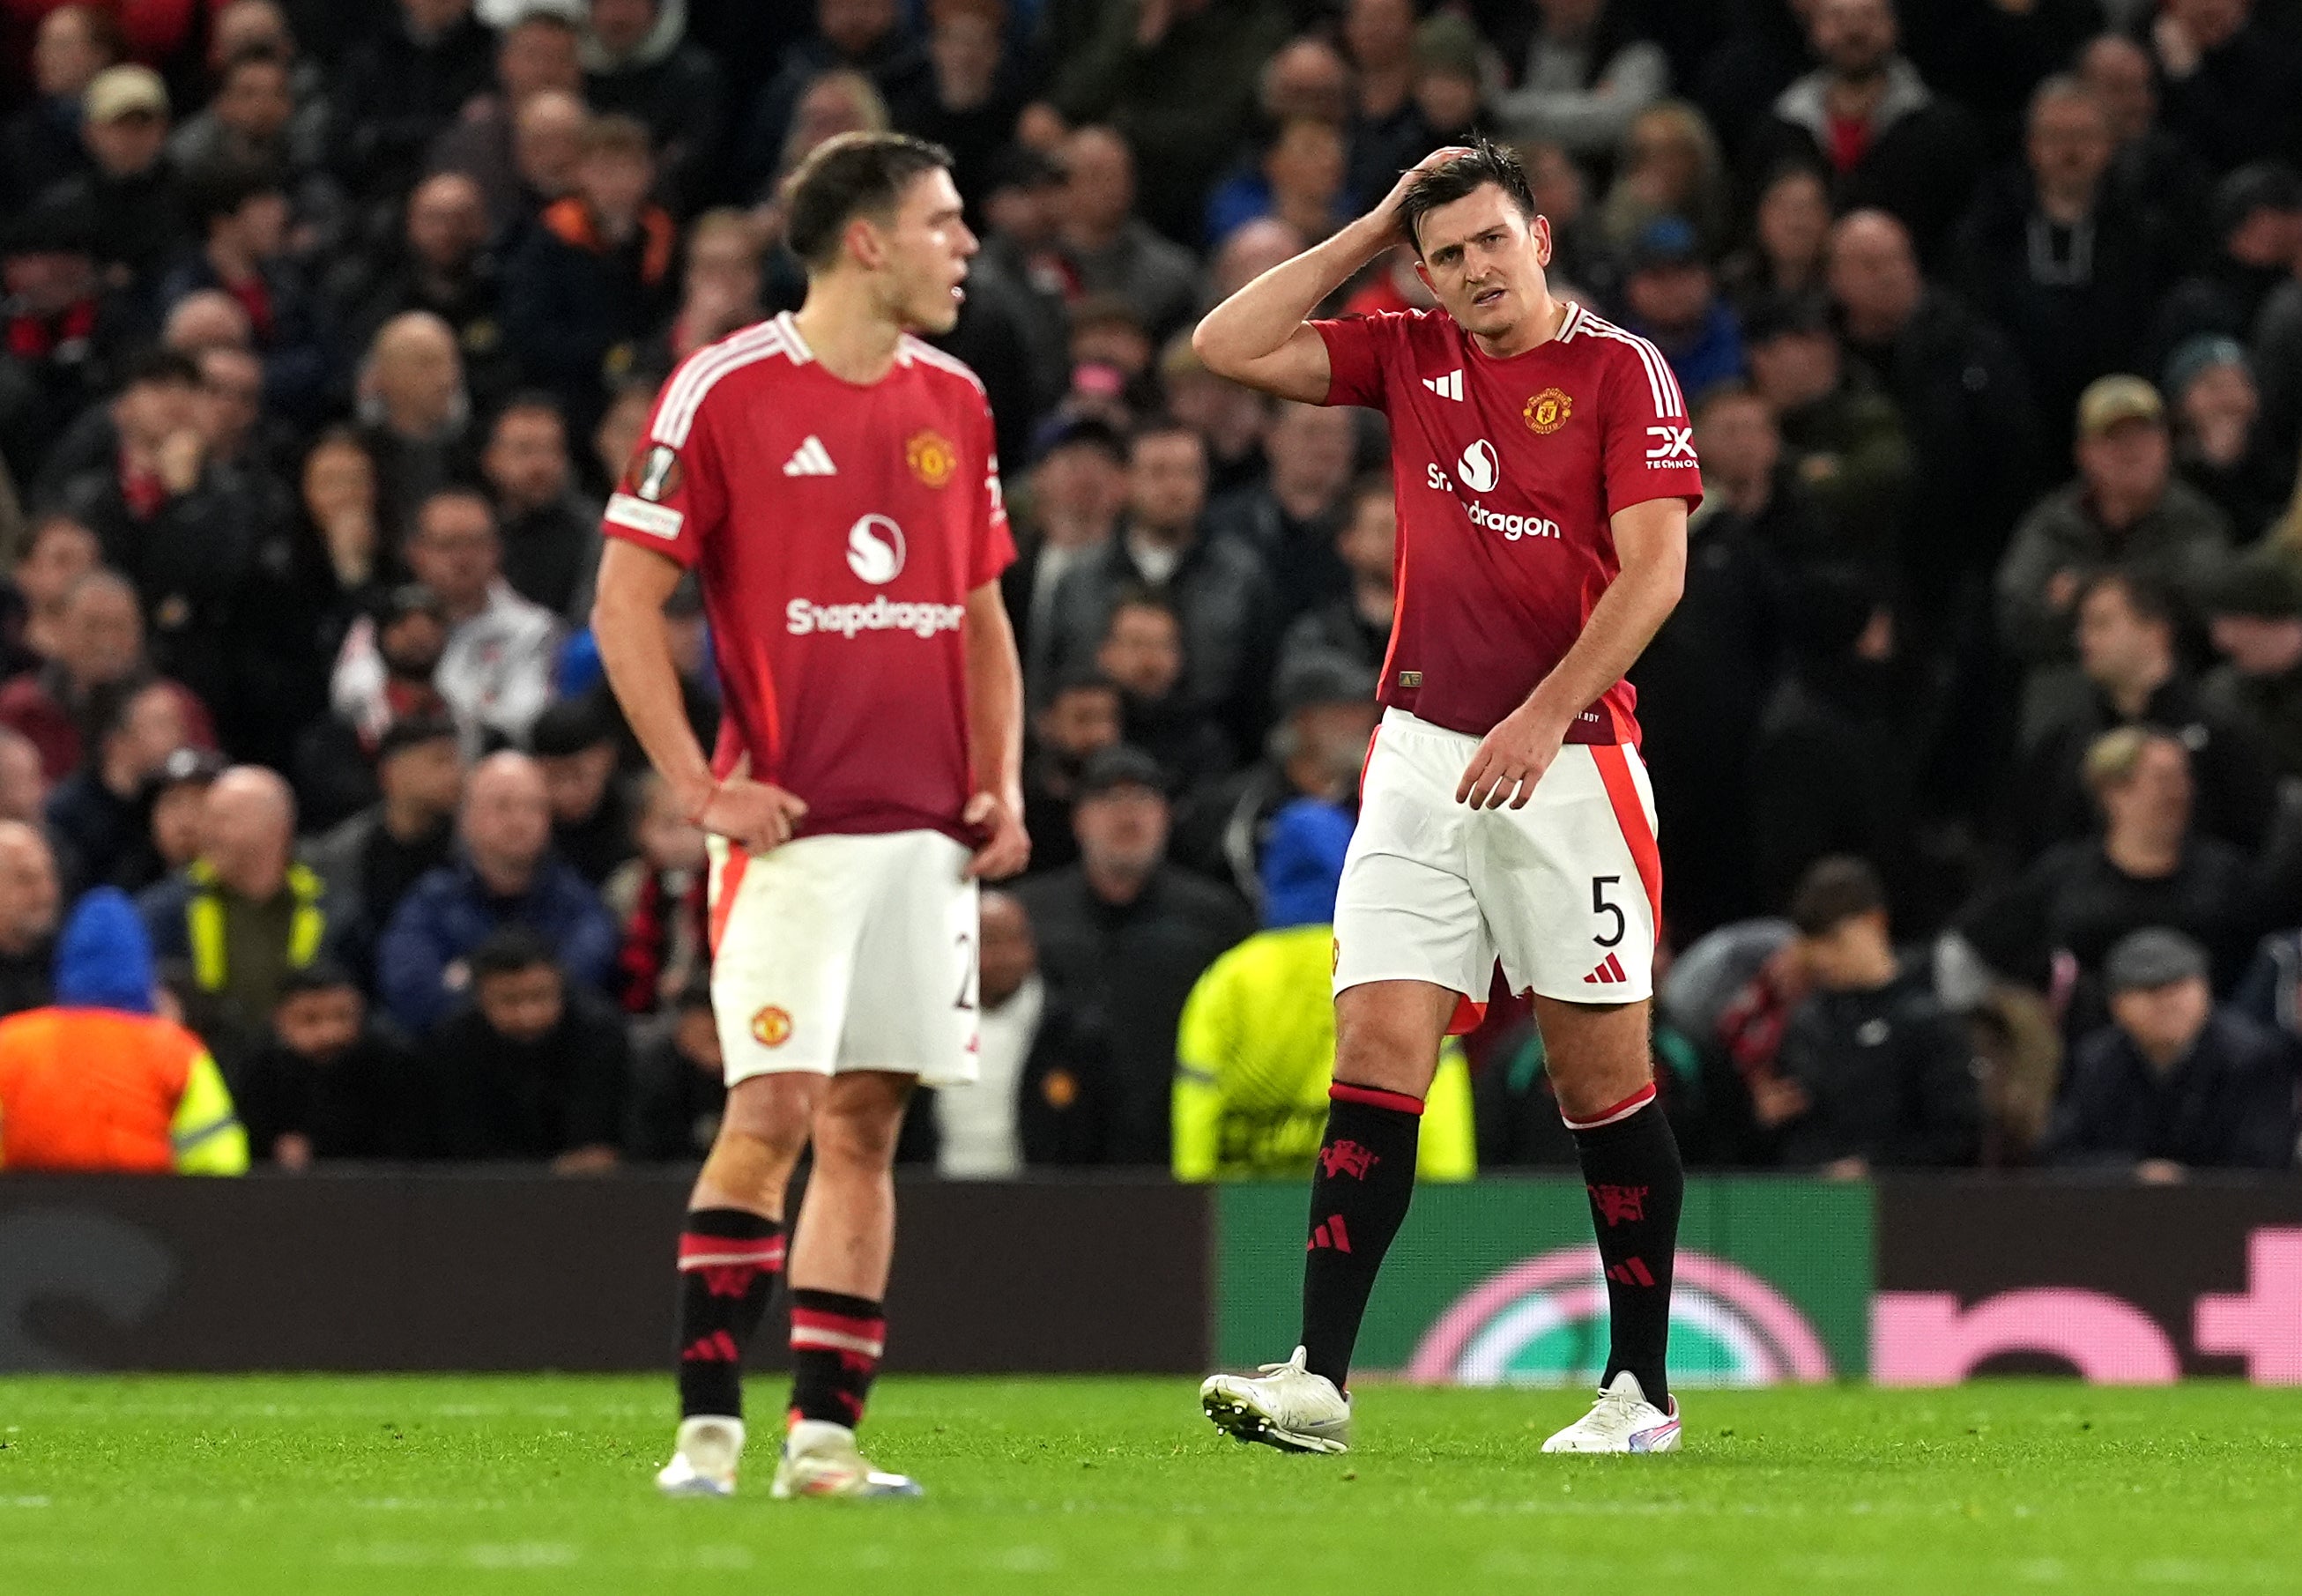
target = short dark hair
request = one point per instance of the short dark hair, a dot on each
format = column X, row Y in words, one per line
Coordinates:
column 1834, row 890
column 529, row 402
column 569, row 726
column 1457, row 179
column 511, row 951
column 162, row 368
column 322, row 974
column 1138, row 596
column 846, row 176
column 1162, row 424
column 221, row 190
column 1084, row 678
column 2150, row 599
column 463, row 490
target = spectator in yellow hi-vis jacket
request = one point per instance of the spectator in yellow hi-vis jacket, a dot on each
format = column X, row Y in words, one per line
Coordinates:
column 1256, row 1051
column 97, row 1080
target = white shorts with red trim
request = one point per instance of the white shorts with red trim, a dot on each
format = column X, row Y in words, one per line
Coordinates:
column 841, row 953
column 1566, row 893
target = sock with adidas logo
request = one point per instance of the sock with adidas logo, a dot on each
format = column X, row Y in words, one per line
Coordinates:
column 728, row 1262
column 1632, row 1173
column 1360, row 1188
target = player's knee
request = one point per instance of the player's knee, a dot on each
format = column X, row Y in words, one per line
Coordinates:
column 769, row 1117
column 859, row 1134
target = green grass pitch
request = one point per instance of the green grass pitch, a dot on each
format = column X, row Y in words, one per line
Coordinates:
column 169, row 1485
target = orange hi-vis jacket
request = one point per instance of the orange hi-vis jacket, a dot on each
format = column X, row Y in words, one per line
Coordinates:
column 102, row 1090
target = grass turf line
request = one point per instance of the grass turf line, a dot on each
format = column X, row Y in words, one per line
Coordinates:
column 303, row 1484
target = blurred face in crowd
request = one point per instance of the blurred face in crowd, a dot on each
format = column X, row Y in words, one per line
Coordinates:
column 838, row 102
column 1082, row 720
column 65, row 53
column 433, row 16
column 178, row 811
column 153, row 729
column 576, row 782
column 1167, row 481
column 100, row 637
column 260, row 225
column 964, row 48
column 1307, row 78
column 454, row 550
column 546, row 139
column 1116, row 344
column 428, row 777
column 127, row 146
column 1099, row 180
column 1379, row 34
column 1121, row 831
column 415, row 369
column 1793, row 220
column 2153, row 802
column 2221, row 403
column 2117, row 646
column 668, row 840
column 1666, row 159
column 2163, row 1021
column 1448, row 99
column 522, row 1005
column 2127, row 465
column 23, row 784
column 1794, row 368
column 255, row 102
column 1735, row 436
column 322, row 1026
column 1484, row 259
column 536, row 56
column 2068, row 144
column 920, row 255
column 1556, row 183
column 60, row 552
column 250, row 25
column 1310, row 448
column 1009, row 954
column 1330, row 747
column 1673, row 298
column 209, row 319
column 1251, row 250
column 852, row 27
column 231, row 399
column 44, row 282
column 2209, row 22
column 29, row 897
column 1568, row 19
column 622, row 26
column 2261, row 646
column 1025, row 212
column 614, row 182
column 527, row 459
column 1305, row 166
column 340, row 485
column 1078, row 491
column 2119, row 73
column 446, row 221
column 2267, row 237
column 1874, row 276
column 617, row 438
column 1847, row 956
column 248, row 828
column 1855, row 37
column 1142, row 650
column 150, row 413
column 507, row 822
column 1368, row 544
column 723, row 270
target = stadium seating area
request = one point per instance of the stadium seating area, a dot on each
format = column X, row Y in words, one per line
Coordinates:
column 1977, row 738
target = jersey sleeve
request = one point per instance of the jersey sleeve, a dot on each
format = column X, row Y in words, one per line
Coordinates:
column 1356, row 347
column 673, row 494
column 993, row 546
column 1647, row 444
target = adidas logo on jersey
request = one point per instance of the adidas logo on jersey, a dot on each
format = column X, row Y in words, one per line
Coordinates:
column 1610, row 973
column 1448, row 387
column 810, row 458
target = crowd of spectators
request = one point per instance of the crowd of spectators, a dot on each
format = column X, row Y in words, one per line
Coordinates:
column 1977, row 738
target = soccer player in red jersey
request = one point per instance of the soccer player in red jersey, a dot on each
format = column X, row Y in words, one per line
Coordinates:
column 1545, row 470
column 831, row 481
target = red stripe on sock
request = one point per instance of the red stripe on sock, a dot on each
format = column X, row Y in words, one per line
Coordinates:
column 1375, row 1097
column 1608, row 1116
column 1342, row 1238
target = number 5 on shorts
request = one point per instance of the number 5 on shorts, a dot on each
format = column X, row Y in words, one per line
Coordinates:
column 1598, row 906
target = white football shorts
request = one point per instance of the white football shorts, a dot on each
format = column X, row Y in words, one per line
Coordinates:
column 840, row 953
column 1566, row 892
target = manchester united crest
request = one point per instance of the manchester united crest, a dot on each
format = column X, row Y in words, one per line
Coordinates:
column 932, row 457
column 771, row 1027
column 1549, row 410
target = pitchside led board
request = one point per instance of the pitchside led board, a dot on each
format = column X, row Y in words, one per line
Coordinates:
column 1911, row 1281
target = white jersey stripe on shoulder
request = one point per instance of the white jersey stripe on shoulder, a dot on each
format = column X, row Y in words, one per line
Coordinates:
column 1654, row 384
column 684, row 380
column 1566, row 329
column 678, row 417
column 920, row 349
column 800, row 353
column 1660, row 382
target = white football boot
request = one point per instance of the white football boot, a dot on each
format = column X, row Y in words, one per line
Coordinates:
column 1286, row 1405
column 703, row 1460
column 1622, row 1420
column 821, row 1460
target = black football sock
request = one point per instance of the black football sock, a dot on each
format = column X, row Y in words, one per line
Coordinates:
column 835, row 1344
column 1630, row 1170
column 728, row 1262
column 1359, row 1193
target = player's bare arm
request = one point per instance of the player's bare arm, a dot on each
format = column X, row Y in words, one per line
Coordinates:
column 1651, row 542
column 636, row 650
column 1261, row 337
column 995, row 735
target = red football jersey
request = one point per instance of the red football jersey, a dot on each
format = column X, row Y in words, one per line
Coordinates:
column 839, row 530
column 1506, row 472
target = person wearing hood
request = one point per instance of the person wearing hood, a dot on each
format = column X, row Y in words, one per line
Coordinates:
column 1255, row 1054
column 638, row 61
column 98, row 1081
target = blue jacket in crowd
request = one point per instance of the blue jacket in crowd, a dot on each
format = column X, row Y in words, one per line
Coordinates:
column 449, row 913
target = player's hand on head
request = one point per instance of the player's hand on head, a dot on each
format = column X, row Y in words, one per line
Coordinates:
column 1387, row 210
column 1007, row 848
column 1508, row 762
column 757, row 816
